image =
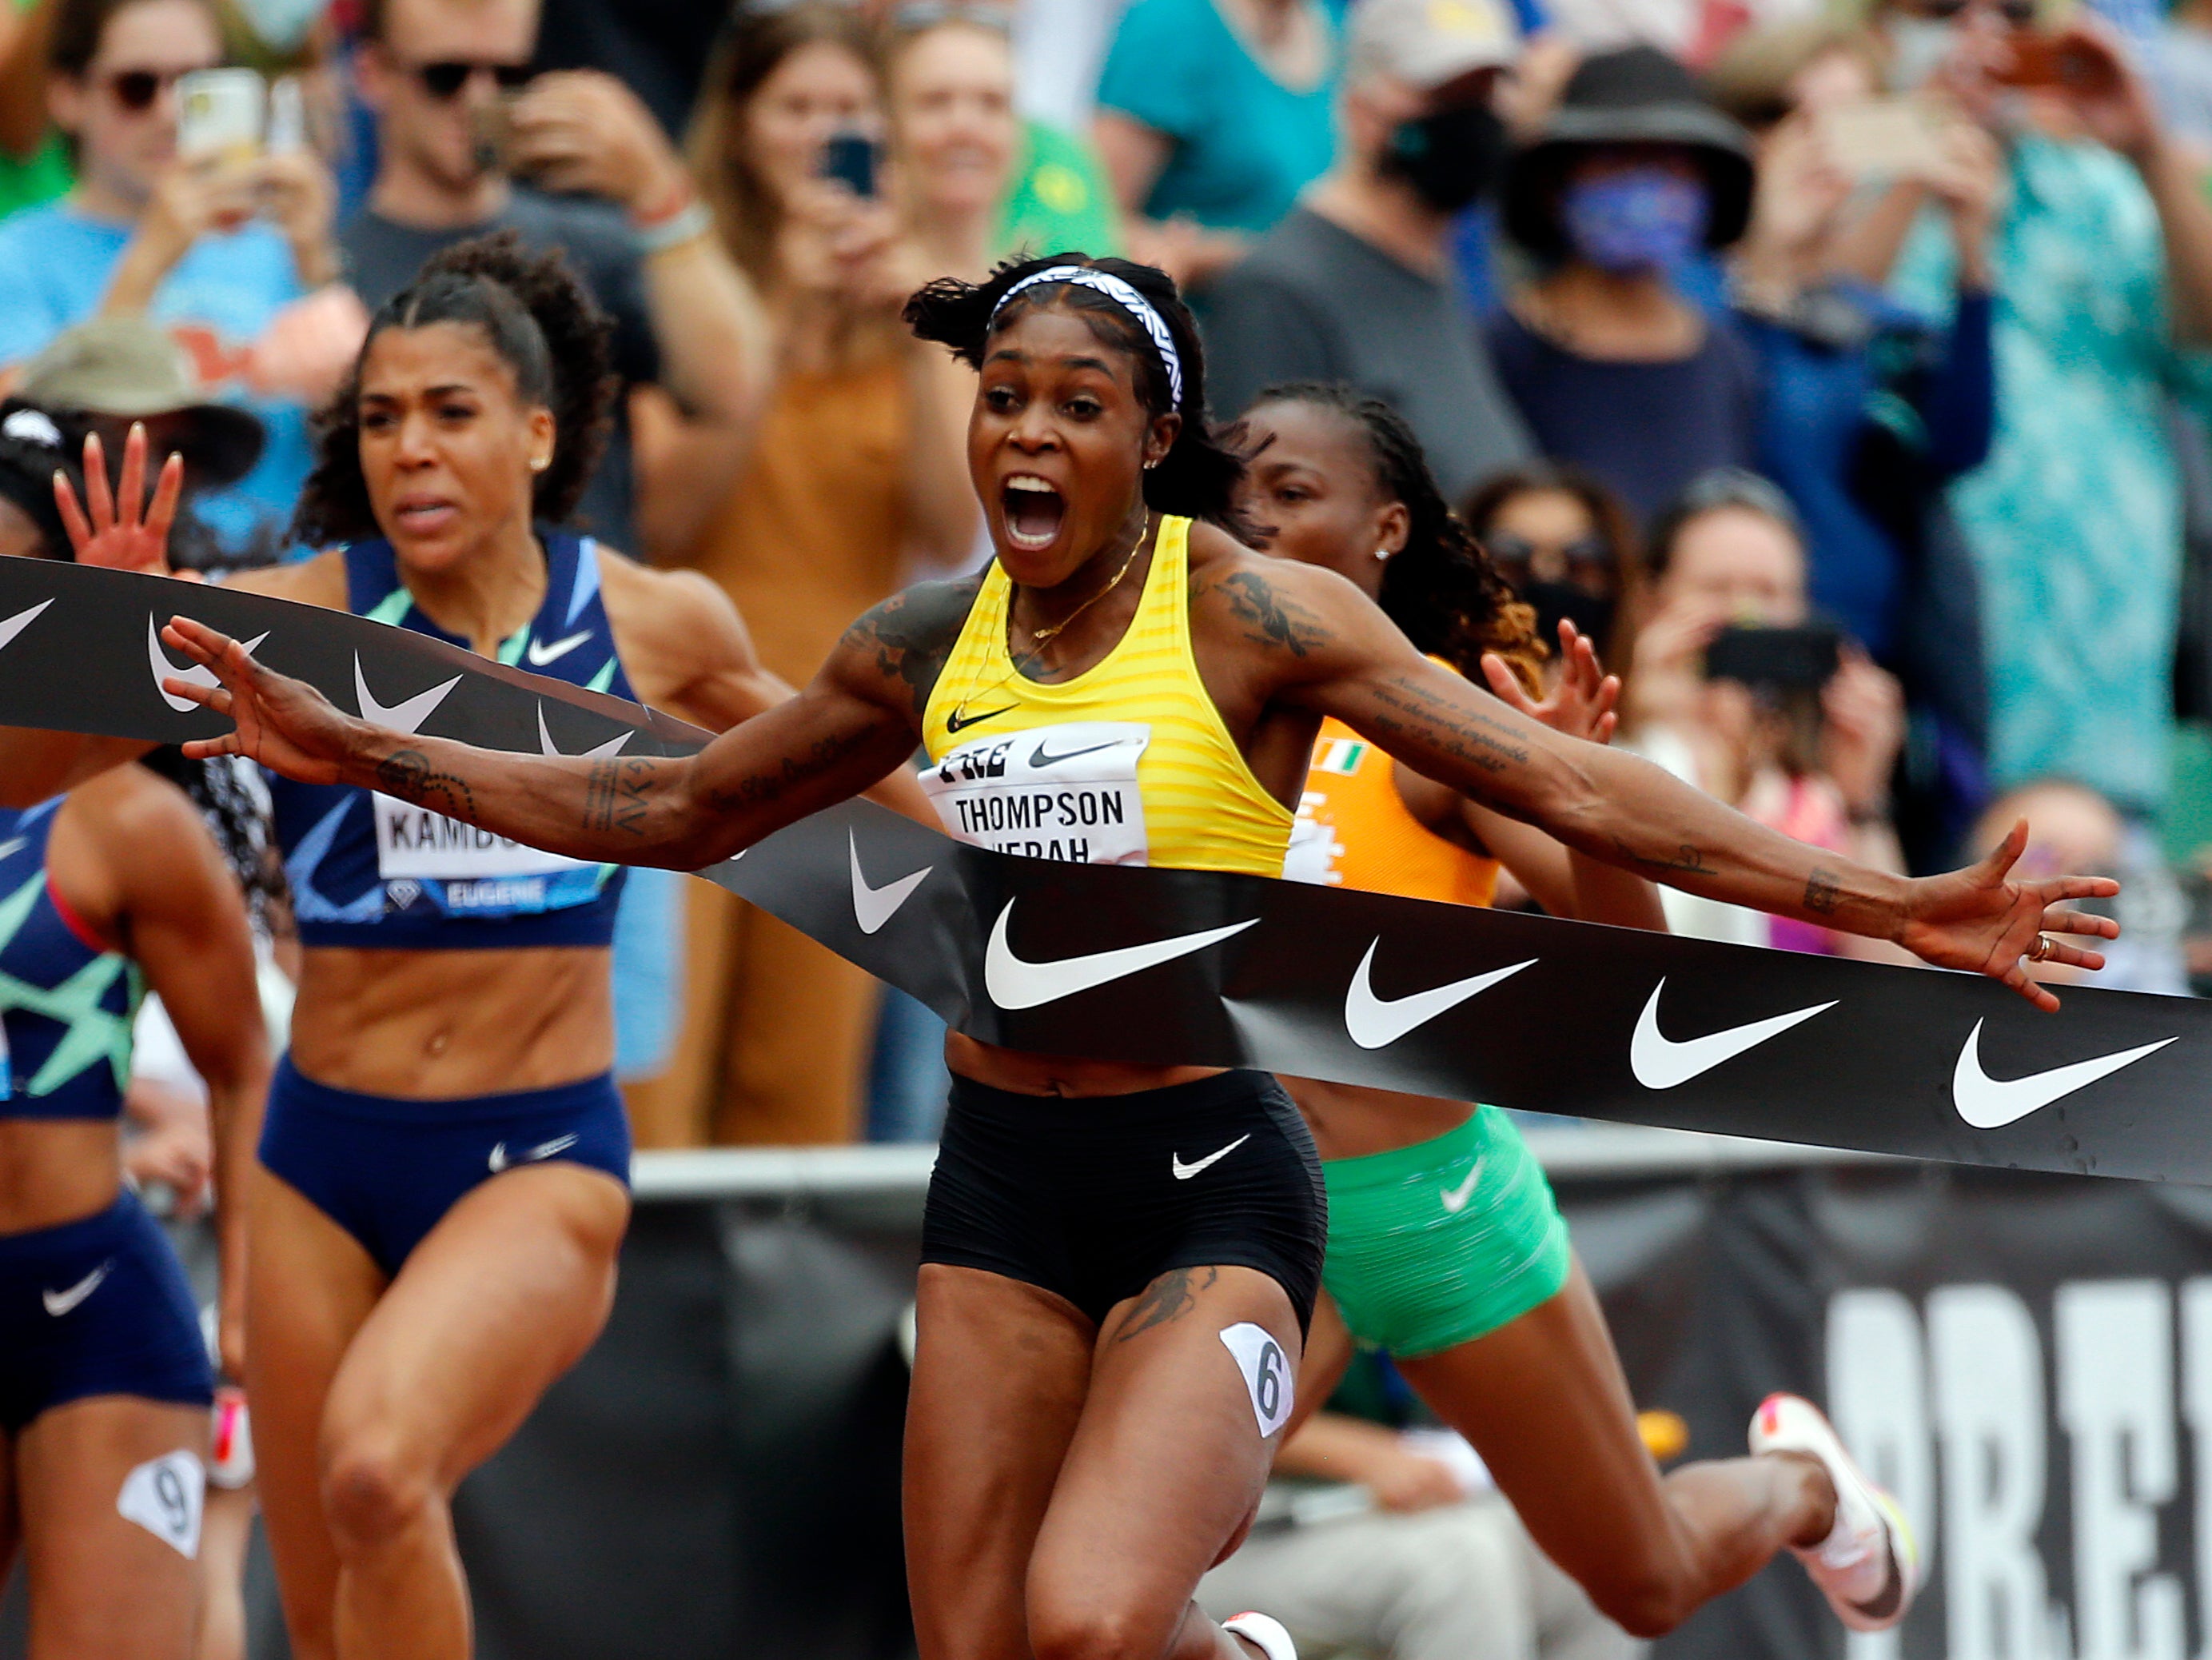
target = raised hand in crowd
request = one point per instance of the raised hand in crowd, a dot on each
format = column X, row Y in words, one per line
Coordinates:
column 580, row 132
column 1863, row 729
column 192, row 198
column 295, row 192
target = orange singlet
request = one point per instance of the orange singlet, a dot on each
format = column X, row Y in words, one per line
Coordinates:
column 1354, row 831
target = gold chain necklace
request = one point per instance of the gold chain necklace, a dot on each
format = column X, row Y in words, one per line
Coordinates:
column 1040, row 638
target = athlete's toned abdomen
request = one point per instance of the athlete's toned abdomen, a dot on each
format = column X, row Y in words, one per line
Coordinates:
column 428, row 1025
column 54, row 1170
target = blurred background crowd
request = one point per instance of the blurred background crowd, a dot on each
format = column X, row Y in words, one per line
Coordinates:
column 1840, row 371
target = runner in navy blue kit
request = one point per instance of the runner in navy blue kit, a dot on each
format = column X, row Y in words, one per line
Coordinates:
column 104, row 1380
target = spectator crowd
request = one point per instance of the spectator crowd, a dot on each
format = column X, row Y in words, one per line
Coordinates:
column 1840, row 371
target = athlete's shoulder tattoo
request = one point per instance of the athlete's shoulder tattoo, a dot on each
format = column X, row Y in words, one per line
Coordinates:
column 1265, row 610
column 910, row 635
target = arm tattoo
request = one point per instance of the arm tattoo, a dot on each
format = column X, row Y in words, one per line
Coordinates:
column 1270, row 619
column 1822, row 894
column 408, row 775
column 788, row 772
column 1465, row 735
column 616, row 795
column 1167, row 1298
column 911, row 634
column 1685, row 860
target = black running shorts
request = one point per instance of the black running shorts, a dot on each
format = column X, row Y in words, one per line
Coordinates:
column 1095, row 1197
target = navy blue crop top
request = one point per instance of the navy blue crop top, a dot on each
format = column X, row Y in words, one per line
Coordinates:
column 66, row 1002
column 367, row 870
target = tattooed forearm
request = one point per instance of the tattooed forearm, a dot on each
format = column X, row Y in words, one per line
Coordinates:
column 1269, row 618
column 408, row 775
column 617, row 792
column 792, row 770
column 1464, row 734
column 1822, row 894
column 1686, row 859
column 1167, row 1298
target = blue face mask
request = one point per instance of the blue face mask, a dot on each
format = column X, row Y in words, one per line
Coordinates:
column 1640, row 219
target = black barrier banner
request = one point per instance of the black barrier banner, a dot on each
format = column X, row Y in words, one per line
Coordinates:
column 1200, row 968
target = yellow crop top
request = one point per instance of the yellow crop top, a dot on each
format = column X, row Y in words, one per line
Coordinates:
column 1127, row 763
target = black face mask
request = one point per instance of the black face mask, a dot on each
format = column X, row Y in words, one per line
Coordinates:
column 1591, row 613
column 1449, row 158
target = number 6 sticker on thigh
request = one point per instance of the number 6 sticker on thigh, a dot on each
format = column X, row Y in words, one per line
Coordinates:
column 163, row 1496
column 1266, row 1371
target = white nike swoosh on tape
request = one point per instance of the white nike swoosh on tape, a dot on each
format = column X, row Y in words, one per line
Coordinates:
column 22, row 619
column 1183, row 1172
column 1455, row 1198
column 1660, row 1063
column 612, row 746
column 1989, row 1103
column 1014, row 984
column 1375, row 1022
column 499, row 1160
column 539, row 655
column 874, row 907
column 59, row 1303
column 407, row 717
column 199, row 674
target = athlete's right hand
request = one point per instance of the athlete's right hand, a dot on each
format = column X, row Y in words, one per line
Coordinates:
column 129, row 534
column 284, row 724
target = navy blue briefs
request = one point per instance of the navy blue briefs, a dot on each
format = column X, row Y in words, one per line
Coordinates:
column 97, row 1306
column 387, row 1171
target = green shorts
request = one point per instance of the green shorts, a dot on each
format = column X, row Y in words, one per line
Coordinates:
column 1433, row 1245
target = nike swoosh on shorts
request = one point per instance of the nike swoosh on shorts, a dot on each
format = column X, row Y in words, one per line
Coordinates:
column 1183, row 1172
column 1375, row 1022
column 1989, row 1103
column 1660, row 1063
column 1015, row 984
column 1455, row 1198
column 874, row 907
column 197, row 674
column 59, row 1303
column 499, row 1160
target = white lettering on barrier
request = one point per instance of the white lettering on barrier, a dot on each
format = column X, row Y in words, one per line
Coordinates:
column 2197, row 1412
column 2114, row 1341
column 1986, row 1368
column 1878, row 1399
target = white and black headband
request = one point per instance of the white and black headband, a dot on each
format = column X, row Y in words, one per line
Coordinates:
column 1122, row 295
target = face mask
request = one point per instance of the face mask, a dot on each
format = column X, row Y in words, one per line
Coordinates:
column 1449, row 158
column 1918, row 47
column 1645, row 219
column 1555, row 602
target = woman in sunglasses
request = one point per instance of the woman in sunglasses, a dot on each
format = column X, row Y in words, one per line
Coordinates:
column 1565, row 544
column 217, row 246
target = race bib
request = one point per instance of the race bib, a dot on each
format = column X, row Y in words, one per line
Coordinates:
column 1067, row 793
column 465, row 871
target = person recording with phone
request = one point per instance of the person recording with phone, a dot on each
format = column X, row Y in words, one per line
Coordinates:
column 469, row 143
column 183, row 213
column 1738, row 687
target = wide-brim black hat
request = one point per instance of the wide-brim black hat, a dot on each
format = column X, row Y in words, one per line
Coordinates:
column 127, row 368
column 1636, row 96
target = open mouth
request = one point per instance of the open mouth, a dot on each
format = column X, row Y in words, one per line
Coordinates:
column 422, row 516
column 1034, row 511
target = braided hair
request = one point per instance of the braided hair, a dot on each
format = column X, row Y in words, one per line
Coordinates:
column 536, row 316
column 1440, row 589
column 1198, row 477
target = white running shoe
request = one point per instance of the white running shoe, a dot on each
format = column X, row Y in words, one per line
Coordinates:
column 1274, row 1642
column 1870, row 1566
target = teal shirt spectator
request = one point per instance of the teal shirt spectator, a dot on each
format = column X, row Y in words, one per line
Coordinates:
column 1244, row 144
column 55, row 266
column 2075, row 517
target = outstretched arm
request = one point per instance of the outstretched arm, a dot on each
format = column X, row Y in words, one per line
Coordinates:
column 1335, row 653
column 848, row 728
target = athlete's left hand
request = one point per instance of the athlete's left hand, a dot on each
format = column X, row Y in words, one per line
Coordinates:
column 284, row 724
column 1981, row 919
column 1583, row 704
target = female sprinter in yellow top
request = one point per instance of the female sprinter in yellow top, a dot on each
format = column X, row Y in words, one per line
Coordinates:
column 1445, row 1247
column 1118, row 1260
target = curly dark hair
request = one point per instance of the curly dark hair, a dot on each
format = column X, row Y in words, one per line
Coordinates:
column 543, row 324
column 1198, row 475
column 1440, row 589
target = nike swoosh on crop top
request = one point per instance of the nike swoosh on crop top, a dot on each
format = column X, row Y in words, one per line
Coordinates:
column 66, row 1002
column 368, row 870
column 1127, row 763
